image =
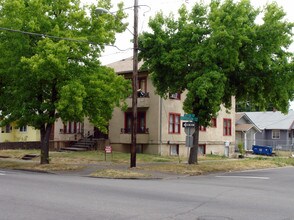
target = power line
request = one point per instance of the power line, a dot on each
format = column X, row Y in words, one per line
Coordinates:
column 58, row 38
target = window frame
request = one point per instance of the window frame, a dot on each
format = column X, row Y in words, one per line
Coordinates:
column 213, row 123
column 140, row 80
column 172, row 123
column 227, row 128
column 23, row 129
column 174, row 152
column 175, row 96
column 71, row 127
column 274, row 134
column 129, row 122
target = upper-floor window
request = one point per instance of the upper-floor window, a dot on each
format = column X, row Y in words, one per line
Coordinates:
column 175, row 96
column 213, row 123
column 276, row 134
column 174, row 123
column 227, row 127
column 23, row 128
column 142, row 84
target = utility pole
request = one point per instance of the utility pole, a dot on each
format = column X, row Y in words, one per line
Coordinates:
column 135, row 87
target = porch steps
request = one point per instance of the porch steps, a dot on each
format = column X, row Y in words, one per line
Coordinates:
column 81, row 145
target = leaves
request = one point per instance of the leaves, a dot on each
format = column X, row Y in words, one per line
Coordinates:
column 44, row 78
column 219, row 51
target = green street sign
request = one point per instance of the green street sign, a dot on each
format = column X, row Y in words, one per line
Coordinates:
column 189, row 117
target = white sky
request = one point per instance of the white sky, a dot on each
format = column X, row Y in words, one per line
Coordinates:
column 123, row 40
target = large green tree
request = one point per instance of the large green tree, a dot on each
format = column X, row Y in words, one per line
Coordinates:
column 49, row 65
column 221, row 50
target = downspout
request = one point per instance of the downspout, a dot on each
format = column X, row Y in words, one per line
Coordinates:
column 160, row 125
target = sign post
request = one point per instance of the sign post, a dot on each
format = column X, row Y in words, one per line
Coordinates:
column 108, row 150
column 189, row 126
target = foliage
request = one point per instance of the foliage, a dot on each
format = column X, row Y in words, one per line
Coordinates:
column 49, row 64
column 219, row 51
column 241, row 148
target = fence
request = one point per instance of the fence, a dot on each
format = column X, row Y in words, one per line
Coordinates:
column 284, row 145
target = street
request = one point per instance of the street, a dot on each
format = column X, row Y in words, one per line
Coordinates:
column 263, row 194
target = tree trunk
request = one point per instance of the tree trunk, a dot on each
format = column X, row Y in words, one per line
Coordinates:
column 193, row 157
column 45, row 136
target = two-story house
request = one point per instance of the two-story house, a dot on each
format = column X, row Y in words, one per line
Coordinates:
column 159, row 129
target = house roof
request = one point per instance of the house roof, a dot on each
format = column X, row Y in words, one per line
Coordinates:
column 245, row 127
column 124, row 65
column 239, row 115
column 272, row 120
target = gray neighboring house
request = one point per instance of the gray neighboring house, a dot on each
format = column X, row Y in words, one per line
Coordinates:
column 246, row 131
column 277, row 129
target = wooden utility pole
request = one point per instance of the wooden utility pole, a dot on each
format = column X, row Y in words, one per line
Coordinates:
column 135, row 87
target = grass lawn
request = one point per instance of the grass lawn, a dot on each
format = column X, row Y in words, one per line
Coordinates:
column 146, row 163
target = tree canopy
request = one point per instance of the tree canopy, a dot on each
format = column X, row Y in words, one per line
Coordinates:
column 221, row 50
column 49, row 65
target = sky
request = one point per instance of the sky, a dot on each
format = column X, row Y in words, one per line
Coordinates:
column 149, row 8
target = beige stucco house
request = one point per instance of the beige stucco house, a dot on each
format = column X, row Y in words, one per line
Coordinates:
column 160, row 129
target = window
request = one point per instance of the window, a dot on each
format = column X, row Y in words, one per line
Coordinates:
column 174, row 123
column 175, row 96
column 141, row 122
column 201, row 149
column 23, row 128
column 142, row 84
column 8, row 128
column 227, row 127
column 276, row 134
column 202, row 128
column 174, row 149
column 213, row 123
column 71, row 128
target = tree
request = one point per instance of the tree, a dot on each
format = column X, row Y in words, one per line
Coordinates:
column 49, row 66
column 218, row 51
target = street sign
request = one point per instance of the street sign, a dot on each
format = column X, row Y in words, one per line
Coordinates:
column 108, row 149
column 189, row 117
column 189, row 130
column 188, row 124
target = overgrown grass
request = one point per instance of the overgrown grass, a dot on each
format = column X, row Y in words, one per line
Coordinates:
column 205, row 167
column 116, row 164
column 122, row 174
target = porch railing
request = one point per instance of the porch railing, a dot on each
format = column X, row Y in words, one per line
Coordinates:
column 139, row 130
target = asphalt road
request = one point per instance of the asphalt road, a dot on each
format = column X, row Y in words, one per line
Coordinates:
column 264, row 194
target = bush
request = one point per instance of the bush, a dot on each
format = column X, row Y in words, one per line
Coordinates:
column 241, row 149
